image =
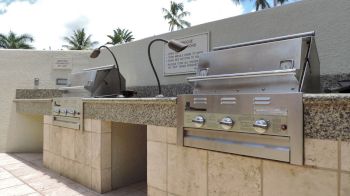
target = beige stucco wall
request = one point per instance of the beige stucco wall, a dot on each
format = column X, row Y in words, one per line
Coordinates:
column 18, row 68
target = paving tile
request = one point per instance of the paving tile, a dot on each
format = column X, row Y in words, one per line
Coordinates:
column 9, row 182
column 34, row 194
column 29, row 156
column 17, row 190
column 44, row 183
column 4, row 174
column 8, row 160
column 66, row 190
column 23, row 171
column 31, row 176
column 15, row 166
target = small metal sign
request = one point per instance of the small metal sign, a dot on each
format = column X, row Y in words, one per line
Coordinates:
column 62, row 63
column 185, row 62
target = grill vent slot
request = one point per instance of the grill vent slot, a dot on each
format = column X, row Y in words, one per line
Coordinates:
column 200, row 100
column 228, row 101
column 262, row 100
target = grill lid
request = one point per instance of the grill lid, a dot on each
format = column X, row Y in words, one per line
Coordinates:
column 282, row 64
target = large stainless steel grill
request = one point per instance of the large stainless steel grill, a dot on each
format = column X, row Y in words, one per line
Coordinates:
column 247, row 98
column 95, row 82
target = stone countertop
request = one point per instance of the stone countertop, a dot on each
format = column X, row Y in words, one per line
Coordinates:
column 332, row 98
column 147, row 111
column 37, row 93
column 326, row 116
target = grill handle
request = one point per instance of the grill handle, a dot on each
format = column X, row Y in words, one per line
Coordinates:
column 243, row 75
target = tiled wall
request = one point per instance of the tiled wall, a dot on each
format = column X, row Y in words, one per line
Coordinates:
column 84, row 156
column 180, row 171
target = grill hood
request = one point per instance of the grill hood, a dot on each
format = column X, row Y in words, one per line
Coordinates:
column 281, row 64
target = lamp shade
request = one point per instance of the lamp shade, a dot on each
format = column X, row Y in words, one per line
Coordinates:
column 176, row 45
column 95, row 53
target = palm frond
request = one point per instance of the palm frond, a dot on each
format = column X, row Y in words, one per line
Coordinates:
column 175, row 16
column 13, row 41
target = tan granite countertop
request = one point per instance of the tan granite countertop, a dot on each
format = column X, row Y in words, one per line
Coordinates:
column 147, row 111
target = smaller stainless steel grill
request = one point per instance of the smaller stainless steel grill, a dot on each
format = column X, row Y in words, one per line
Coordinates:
column 247, row 98
column 95, row 82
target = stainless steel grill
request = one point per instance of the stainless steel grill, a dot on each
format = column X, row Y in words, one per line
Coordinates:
column 95, row 82
column 247, row 98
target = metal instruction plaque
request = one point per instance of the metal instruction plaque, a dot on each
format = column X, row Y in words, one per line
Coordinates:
column 185, row 62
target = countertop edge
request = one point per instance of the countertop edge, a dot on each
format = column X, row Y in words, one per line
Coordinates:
column 32, row 100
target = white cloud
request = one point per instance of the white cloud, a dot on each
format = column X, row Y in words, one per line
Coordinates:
column 50, row 20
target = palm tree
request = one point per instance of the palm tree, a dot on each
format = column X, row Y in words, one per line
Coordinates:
column 120, row 36
column 262, row 4
column 12, row 41
column 175, row 16
column 79, row 40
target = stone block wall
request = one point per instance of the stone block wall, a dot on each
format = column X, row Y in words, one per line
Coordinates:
column 181, row 171
column 83, row 156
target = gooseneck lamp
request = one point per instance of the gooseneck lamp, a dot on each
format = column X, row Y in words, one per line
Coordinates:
column 172, row 44
column 97, row 52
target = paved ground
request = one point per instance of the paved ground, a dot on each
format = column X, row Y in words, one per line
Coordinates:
column 24, row 174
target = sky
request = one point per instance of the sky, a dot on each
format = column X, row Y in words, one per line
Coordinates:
column 48, row 21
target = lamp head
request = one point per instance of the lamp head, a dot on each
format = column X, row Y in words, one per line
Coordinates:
column 176, row 45
column 95, row 53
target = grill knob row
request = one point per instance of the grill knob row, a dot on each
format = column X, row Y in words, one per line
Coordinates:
column 260, row 126
column 66, row 112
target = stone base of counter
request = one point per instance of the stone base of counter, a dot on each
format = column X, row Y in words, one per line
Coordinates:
column 183, row 171
column 83, row 156
column 105, row 156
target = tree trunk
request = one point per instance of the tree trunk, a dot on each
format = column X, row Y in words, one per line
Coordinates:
column 274, row 3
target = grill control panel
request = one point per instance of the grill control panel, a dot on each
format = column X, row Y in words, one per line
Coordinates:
column 67, row 112
column 261, row 124
column 265, row 125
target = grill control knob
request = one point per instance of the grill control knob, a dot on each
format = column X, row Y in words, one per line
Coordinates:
column 226, row 123
column 71, row 112
column 63, row 111
column 56, row 111
column 198, row 121
column 261, row 125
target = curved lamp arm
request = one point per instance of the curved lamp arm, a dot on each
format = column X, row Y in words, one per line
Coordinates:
column 173, row 45
column 115, row 59
column 154, row 70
